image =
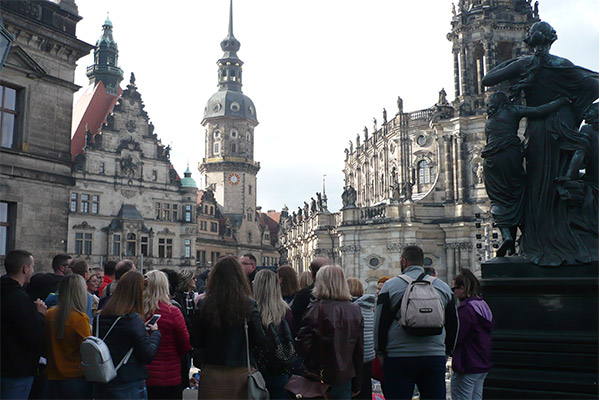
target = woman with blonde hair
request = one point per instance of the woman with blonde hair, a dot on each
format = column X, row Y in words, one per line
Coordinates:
column 273, row 310
column 122, row 316
column 67, row 325
column 164, row 381
column 219, row 332
column 306, row 279
column 331, row 335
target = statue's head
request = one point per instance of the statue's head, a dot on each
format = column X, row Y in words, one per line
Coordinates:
column 540, row 34
column 591, row 114
column 495, row 102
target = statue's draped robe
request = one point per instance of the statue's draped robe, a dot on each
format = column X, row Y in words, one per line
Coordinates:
column 548, row 238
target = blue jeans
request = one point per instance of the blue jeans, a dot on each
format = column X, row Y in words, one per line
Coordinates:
column 342, row 392
column 15, row 388
column 401, row 374
column 129, row 390
column 76, row 388
column 467, row 386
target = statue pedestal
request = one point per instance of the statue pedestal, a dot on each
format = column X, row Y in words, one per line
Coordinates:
column 545, row 342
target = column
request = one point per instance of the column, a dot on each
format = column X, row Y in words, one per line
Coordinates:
column 463, row 72
column 479, row 75
column 449, row 188
column 459, row 168
column 456, row 73
column 449, row 264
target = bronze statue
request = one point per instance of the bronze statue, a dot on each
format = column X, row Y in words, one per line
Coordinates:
column 548, row 238
column 503, row 172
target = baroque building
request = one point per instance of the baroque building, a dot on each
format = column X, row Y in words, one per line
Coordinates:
column 36, row 99
column 417, row 177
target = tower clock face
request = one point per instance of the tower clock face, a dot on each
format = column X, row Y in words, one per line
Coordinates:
column 233, row 179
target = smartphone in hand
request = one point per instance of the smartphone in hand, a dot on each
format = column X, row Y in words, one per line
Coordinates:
column 152, row 321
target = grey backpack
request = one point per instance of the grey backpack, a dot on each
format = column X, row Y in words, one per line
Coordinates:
column 421, row 308
column 96, row 360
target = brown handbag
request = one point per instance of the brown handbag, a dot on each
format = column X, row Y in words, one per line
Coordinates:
column 311, row 386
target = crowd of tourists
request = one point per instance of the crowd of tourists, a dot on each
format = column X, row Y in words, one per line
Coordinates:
column 116, row 333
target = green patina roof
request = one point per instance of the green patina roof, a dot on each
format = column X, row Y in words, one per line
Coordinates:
column 187, row 181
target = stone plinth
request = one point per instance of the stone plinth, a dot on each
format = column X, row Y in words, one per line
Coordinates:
column 545, row 343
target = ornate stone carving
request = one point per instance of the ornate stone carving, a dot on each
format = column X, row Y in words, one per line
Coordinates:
column 351, row 248
column 128, row 193
column 398, row 247
column 85, row 226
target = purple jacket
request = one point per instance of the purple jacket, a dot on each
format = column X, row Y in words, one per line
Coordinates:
column 473, row 352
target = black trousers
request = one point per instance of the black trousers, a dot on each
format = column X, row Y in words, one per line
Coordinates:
column 165, row 392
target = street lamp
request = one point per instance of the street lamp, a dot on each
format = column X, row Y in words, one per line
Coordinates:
column 6, row 40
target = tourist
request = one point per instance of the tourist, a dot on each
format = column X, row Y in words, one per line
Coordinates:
column 218, row 332
column 42, row 284
column 121, row 268
column 92, row 287
column 472, row 357
column 109, row 275
column 409, row 359
column 99, row 273
column 305, row 279
column 366, row 302
column 67, row 325
column 380, row 283
column 185, row 293
column 248, row 262
column 123, row 312
column 275, row 367
column 22, row 326
column 164, row 381
column 289, row 282
column 80, row 267
column 304, row 296
column 333, row 351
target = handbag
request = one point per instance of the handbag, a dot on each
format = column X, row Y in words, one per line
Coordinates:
column 311, row 385
column 257, row 387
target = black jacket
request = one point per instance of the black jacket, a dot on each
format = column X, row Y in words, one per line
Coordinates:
column 226, row 345
column 129, row 332
column 22, row 331
column 341, row 352
column 42, row 284
column 299, row 305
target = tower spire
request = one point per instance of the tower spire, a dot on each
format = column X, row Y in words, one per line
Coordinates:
column 231, row 19
column 106, row 56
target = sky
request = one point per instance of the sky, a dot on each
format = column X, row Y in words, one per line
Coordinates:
column 316, row 70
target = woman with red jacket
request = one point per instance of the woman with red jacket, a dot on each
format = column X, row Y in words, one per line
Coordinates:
column 164, row 381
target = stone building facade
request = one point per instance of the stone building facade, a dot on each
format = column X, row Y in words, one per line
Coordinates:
column 417, row 177
column 129, row 202
column 36, row 95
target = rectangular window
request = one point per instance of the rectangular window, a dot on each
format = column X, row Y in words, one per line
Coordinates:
column 117, row 245
column 175, row 209
column 84, row 206
column 161, row 248
column 158, row 210
column 144, row 245
column 188, row 248
column 78, row 243
column 87, row 243
column 214, row 256
column 73, row 202
column 188, row 213
column 166, row 211
column 249, row 216
column 202, row 257
column 154, row 175
column 214, row 227
column 8, row 117
column 102, row 167
column 249, row 189
column 216, row 149
column 211, row 210
column 7, row 218
column 95, row 204
column 169, row 248
column 202, row 225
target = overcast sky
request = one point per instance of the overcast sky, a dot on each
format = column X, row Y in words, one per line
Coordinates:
column 317, row 71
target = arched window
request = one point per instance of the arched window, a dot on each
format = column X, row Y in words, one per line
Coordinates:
column 249, row 237
column 424, row 174
column 130, row 246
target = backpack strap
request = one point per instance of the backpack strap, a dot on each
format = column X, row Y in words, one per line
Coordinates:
column 406, row 278
column 125, row 359
column 113, row 325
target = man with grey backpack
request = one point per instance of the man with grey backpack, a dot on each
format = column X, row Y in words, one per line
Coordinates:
column 415, row 329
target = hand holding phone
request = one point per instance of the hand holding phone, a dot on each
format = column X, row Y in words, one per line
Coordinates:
column 151, row 323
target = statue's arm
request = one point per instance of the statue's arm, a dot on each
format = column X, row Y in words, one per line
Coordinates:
column 506, row 70
column 543, row 110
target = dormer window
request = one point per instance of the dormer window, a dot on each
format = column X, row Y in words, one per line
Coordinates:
column 216, row 148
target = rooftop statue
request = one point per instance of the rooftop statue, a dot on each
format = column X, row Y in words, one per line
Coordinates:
column 550, row 236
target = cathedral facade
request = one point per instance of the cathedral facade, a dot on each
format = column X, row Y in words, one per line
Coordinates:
column 417, row 177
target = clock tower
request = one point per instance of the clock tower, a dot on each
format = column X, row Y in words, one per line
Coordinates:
column 229, row 121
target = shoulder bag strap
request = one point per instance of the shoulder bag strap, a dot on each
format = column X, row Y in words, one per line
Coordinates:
column 247, row 346
column 321, row 345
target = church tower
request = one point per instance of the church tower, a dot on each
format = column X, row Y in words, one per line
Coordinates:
column 106, row 67
column 229, row 121
column 484, row 34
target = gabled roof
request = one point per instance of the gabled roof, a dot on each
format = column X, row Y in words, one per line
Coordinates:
column 270, row 220
column 91, row 110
